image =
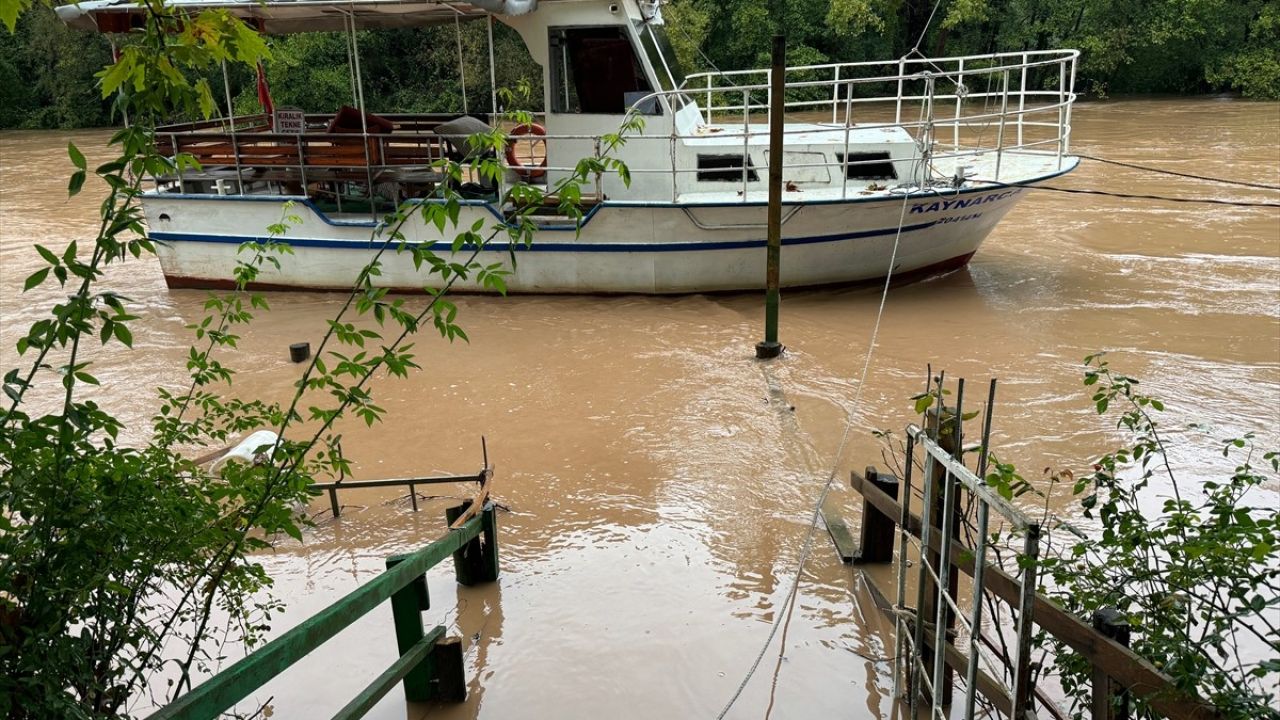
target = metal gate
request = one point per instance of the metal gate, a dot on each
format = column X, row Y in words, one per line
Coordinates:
column 922, row 637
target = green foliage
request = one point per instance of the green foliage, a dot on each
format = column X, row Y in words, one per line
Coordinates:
column 851, row 18
column 46, row 74
column 1154, row 47
column 1195, row 570
column 1254, row 67
column 123, row 562
column 1160, row 46
column 410, row 70
column 109, row 553
column 1193, row 566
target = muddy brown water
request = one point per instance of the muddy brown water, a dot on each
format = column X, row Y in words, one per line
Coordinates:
column 658, row 497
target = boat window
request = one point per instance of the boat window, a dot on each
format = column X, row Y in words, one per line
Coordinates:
column 657, row 47
column 724, row 168
column 594, row 70
column 869, row 166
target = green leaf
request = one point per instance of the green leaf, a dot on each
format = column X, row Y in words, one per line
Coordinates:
column 47, row 254
column 922, row 403
column 35, row 279
column 123, row 334
column 77, row 157
column 115, row 76
column 77, row 182
column 9, row 11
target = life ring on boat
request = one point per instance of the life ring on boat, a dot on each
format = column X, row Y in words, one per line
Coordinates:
column 528, row 172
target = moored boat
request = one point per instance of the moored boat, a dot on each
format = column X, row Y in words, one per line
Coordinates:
column 914, row 160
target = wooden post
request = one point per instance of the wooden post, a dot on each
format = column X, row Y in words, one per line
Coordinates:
column 945, row 436
column 878, row 529
column 1110, row 699
column 468, row 561
column 488, row 566
column 770, row 347
column 448, row 675
column 407, row 605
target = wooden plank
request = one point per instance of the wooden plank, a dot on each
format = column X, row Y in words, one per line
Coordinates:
column 481, row 498
column 839, row 532
column 1131, row 670
column 233, row 684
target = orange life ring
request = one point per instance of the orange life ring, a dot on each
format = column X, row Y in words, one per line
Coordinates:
column 528, row 172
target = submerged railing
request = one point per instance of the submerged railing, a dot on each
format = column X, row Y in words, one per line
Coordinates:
column 430, row 667
column 959, row 112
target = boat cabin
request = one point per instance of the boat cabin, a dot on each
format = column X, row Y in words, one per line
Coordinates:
column 602, row 63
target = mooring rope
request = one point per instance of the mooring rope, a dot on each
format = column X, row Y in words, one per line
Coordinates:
column 807, row 547
column 1192, row 176
column 1030, row 185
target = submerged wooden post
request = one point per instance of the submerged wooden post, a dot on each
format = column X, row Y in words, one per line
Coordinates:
column 465, row 559
column 771, row 348
column 488, row 571
column 407, row 605
column 946, row 434
column 878, row 529
column 1110, row 699
column 477, row 561
column 448, row 673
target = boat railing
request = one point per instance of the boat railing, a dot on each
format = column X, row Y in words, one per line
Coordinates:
column 1024, row 100
column 958, row 111
column 842, row 79
column 1024, row 110
column 241, row 150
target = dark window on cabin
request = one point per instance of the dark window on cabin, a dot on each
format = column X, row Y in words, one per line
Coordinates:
column 724, row 168
column 869, row 166
column 593, row 70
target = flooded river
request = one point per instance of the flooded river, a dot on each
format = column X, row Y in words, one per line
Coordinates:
column 660, row 490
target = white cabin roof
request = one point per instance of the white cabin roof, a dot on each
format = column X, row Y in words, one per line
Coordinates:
column 277, row 17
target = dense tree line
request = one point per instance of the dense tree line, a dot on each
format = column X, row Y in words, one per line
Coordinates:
column 1129, row 46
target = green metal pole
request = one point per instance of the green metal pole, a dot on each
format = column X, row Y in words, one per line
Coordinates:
column 407, row 605
column 771, row 348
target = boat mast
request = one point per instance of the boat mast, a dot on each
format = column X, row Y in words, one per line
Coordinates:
column 462, row 70
column 346, row 42
column 364, row 123
column 231, row 125
column 493, row 76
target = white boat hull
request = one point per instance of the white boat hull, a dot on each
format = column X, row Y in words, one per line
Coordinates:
column 622, row 247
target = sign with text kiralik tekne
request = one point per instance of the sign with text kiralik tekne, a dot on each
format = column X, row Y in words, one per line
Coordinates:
column 290, row 120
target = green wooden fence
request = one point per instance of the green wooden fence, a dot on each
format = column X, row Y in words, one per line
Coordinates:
column 429, row 667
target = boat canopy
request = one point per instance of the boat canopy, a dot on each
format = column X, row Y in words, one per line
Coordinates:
column 278, row 17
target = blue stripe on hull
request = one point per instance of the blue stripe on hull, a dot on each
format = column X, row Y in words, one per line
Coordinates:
column 306, row 202
column 549, row 246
